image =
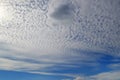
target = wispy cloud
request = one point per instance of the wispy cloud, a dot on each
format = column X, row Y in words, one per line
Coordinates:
column 114, row 75
column 114, row 66
column 7, row 64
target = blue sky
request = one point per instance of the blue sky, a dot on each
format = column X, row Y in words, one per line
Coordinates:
column 59, row 40
column 16, row 75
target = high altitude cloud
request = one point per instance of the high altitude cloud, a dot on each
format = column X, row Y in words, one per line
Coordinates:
column 58, row 35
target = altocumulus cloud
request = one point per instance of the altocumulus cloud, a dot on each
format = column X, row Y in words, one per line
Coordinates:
column 59, row 35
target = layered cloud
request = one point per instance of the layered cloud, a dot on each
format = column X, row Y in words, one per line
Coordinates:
column 48, row 36
column 115, row 75
column 8, row 64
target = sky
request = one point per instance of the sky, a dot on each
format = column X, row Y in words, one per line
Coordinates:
column 59, row 39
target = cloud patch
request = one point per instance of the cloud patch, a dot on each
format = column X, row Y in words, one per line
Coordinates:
column 114, row 75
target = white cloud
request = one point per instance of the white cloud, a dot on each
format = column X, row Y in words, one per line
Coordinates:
column 30, row 35
column 54, row 74
column 66, row 79
column 114, row 66
column 79, row 78
column 113, row 75
column 108, row 76
column 7, row 64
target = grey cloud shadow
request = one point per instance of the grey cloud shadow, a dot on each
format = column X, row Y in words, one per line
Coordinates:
column 4, row 47
column 63, row 12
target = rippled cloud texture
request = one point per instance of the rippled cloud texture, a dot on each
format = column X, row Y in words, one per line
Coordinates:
column 79, row 39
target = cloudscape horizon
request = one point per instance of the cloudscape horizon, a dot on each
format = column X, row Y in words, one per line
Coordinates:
column 59, row 39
